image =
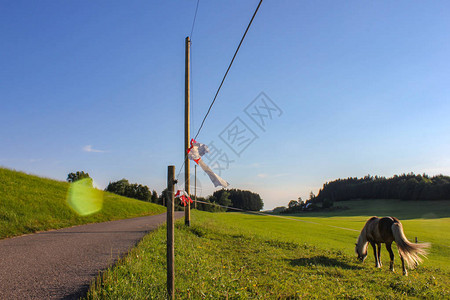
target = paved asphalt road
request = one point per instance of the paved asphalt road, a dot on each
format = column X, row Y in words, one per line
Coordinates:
column 60, row 264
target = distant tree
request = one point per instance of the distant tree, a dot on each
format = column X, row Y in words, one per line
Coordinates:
column 154, row 197
column 141, row 192
column 279, row 209
column 72, row 177
column 245, row 200
column 327, row 203
column 311, row 196
column 163, row 197
column 118, row 187
column 124, row 188
column 292, row 203
column 224, row 199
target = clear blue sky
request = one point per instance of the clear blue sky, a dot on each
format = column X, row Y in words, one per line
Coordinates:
column 363, row 87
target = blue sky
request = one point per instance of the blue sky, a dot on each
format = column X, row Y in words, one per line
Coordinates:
column 98, row 86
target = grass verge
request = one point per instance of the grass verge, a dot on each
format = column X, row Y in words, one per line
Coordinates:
column 31, row 203
column 238, row 256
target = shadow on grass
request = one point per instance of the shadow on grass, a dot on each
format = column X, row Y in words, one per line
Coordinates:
column 322, row 261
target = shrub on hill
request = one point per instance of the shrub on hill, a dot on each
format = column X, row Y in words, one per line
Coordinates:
column 134, row 190
column 72, row 177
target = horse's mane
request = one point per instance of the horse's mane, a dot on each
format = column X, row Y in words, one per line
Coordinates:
column 361, row 242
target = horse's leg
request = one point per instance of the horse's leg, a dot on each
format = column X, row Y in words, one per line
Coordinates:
column 377, row 265
column 391, row 255
column 379, row 254
column 405, row 272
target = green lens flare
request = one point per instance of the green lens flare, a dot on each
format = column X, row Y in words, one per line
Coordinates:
column 83, row 198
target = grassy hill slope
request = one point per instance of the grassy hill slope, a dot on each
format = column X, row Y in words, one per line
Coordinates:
column 245, row 256
column 31, row 203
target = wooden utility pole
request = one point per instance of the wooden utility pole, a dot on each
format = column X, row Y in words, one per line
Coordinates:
column 187, row 98
column 170, row 233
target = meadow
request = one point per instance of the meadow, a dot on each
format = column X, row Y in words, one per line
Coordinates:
column 30, row 203
column 246, row 256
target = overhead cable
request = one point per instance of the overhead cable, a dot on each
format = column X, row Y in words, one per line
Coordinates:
column 195, row 17
column 229, row 67
column 226, row 73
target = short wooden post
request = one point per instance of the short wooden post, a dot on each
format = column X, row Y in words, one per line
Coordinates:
column 170, row 233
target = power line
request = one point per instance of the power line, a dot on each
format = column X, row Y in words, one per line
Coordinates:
column 195, row 17
column 229, row 67
column 226, row 73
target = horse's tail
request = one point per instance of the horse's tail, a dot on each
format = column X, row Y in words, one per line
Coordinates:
column 409, row 251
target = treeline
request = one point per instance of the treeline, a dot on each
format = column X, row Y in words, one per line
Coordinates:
column 235, row 198
column 221, row 199
column 404, row 187
column 132, row 190
column 240, row 199
column 245, row 200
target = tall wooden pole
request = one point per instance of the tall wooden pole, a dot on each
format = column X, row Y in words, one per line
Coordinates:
column 170, row 233
column 187, row 98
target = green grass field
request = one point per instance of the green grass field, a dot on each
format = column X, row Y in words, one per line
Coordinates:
column 245, row 256
column 30, row 203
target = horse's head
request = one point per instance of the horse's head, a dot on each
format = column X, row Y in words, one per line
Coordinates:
column 361, row 252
